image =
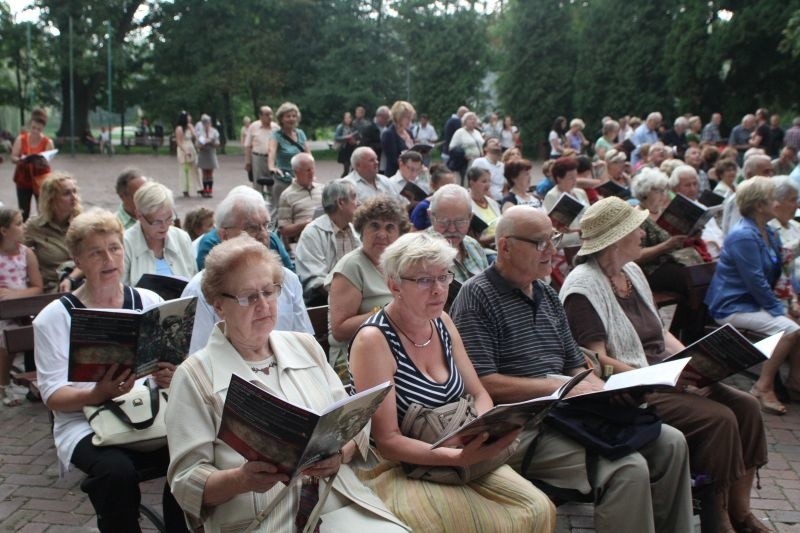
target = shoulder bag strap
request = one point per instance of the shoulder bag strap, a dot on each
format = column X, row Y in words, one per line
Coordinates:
column 114, row 407
column 297, row 144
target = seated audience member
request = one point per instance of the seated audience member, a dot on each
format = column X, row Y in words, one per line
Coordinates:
column 663, row 256
column 785, row 162
column 356, row 288
column 657, row 154
column 368, row 182
column 611, row 311
column 215, row 485
column 440, row 176
column 212, row 238
column 19, row 270
column 754, row 165
column 300, row 200
column 616, row 168
column 518, row 176
column 725, row 171
column 668, row 167
column 683, row 180
column 483, row 206
column 608, row 139
column 786, row 195
column 243, row 211
column 565, row 175
column 516, row 334
column 693, row 158
column 741, row 291
column 544, row 186
column 95, row 241
column 154, row 245
column 128, row 183
column 327, row 239
column 410, row 170
column 451, row 212
column 587, row 180
column 492, row 163
column 391, row 346
column 197, row 223
column 675, row 138
column 46, row 233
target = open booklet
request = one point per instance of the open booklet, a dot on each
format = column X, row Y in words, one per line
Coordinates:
column 48, row 155
column 504, row 418
column 724, row 352
column 168, row 287
column 566, row 209
column 137, row 340
column 611, row 188
column 686, row 217
column 262, row 427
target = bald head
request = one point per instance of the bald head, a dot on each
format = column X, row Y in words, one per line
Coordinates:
column 521, row 220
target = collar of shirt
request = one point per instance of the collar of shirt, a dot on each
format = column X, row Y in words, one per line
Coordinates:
column 502, row 286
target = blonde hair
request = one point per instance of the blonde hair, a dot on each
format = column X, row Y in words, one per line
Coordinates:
column 227, row 257
column 50, row 190
column 413, row 249
column 95, row 221
column 400, row 108
column 752, row 193
column 285, row 108
column 151, row 197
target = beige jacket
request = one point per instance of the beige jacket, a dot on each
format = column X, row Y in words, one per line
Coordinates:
column 140, row 260
column 196, row 452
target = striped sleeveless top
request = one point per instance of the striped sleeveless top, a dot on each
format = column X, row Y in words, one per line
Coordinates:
column 411, row 385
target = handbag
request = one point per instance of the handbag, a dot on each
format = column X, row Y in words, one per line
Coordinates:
column 429, row 425
column 134, row 420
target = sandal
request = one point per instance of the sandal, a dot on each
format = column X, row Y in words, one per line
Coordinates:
column 772, row 407
column 750, row 524
column 10, row 397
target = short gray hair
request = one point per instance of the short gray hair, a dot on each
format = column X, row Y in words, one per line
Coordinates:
column 298, row 158
column 468, row 115
column 681, row 121
column 128, row 175
column 675, row 177
column 358, row 153
column 655, row 115
column 151, row 197
column 333, row 192
column 646, row 180
column 450, row 191
column 752, row 163
column 242, row 199
column 784, row 187
column 413, row 249
column 609, row 126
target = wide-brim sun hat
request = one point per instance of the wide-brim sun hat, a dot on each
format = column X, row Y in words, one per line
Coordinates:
column 606, row 222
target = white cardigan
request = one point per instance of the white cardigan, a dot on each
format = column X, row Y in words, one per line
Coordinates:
column 139, row 259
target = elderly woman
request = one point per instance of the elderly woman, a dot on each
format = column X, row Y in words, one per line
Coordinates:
column 786, row 194
column 356, row 288
column 153, row 245
column 483, row 206
column 725, row 171
column 741, row 291
column 616, row 168
column 397, row 138
column 187, row 155
column 414, row 345
column 46, row 233
column 611, row 311
column 29, row 169
column 574, row 136
column 207, row 144
column 663, row 256
column 518, row 176
column 468, row 137
column 608, row 140
column 95, row 241
column 215, row 486
column 285, row 143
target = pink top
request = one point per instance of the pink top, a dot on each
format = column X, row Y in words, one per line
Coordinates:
column 14, row 269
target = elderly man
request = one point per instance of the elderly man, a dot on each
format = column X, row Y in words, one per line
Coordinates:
column 365, row 177
column 450, row 213
column 754, row 165
column 213, row 238
column 326, row 239
column 256, row 146
column 491, row 162
column 516, row 333
column 741, row 134
column 450, row 127
column 676, row 137
column 785, row 163
column 409, row 170
column 243, row 210
column 711, row 132
column 791, row 138
column 300, row 200
column 684, row 180
column 128, row 183
column 371, row 131
column 646, row 133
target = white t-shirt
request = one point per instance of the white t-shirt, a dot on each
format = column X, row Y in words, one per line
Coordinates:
column 497, row 179
column 554, row 138
column 51, row 341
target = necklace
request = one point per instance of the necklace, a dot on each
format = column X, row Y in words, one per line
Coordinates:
column 483, row 203
column 423, row 345
column 265, row 369
column 628, row 286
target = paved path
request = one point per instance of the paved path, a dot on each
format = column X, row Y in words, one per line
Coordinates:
column 34, row 499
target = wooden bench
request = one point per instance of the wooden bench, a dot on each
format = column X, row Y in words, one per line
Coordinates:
column 691, row 313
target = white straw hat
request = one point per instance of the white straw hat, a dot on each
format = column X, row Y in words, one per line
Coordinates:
column 606, row 222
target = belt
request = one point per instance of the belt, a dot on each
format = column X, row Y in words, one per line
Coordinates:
column 256, row 153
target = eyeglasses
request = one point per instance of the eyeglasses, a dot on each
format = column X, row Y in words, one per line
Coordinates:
column 253, row 229
column 158, row 222
column 459, row 223
column 541, row 244
column 249, row 299
column 426, row 282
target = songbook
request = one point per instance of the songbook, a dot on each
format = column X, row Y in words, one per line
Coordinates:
column 48, row 155
column 424, row 148
column 263, row 427
column 710, row 198
column 136, row 340
column 723, row 353
column 504, row 418
column 168, row 287
column 685, row 217
column 413, row 192
column 611, row 188
column 566, row 209
column 477, row 225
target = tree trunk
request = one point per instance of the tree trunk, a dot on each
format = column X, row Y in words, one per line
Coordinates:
column 83, row 94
